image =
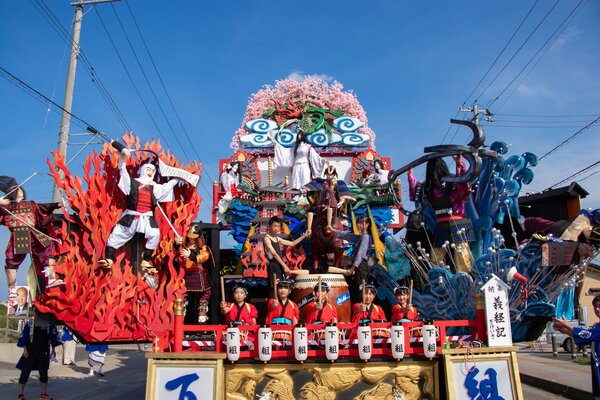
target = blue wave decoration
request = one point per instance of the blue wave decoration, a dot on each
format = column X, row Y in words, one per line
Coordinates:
column 319, row 138
column 355, row 139
column 256, row 140
column 286, row 138
column 347, row 124
column 261, row 125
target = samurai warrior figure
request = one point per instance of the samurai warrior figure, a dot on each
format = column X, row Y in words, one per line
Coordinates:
column 26, row 219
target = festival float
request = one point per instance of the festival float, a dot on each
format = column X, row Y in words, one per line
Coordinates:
column 305, row 157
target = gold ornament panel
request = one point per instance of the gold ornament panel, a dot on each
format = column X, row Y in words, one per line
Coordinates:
column 386, row 381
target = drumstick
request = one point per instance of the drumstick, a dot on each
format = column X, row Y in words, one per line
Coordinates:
column 275, row 287
column 222, row 289
column 364, row 291
column 319, row 290
column 410, row 293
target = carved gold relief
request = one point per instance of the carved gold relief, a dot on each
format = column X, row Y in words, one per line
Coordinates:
column 403, row 381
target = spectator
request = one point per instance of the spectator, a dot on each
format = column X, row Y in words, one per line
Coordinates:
column 69, row 346
column 583, row 336
column 96, row 357
column 37, row 349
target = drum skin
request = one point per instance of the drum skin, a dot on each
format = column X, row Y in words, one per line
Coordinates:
column 338, row 294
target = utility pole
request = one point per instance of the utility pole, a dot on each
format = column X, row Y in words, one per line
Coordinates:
column 63, row 135
column 478, row 111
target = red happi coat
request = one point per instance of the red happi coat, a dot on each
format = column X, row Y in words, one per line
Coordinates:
column 246, row 315
column 291, row 312
column 376, row 313
column 329, row 313
column 399, row 313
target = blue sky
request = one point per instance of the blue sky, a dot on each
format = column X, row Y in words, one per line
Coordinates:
column 411, row 64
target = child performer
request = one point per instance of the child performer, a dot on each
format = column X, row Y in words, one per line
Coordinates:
column 239, row 312
column 282, row 310
column 367, row 311
column 272, row 245
column 403, row 311
column 320, row 311
column 360, row 264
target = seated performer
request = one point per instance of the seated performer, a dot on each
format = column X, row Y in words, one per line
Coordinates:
column 195, row 254
column 367, row 311
column 272, row 245
column 143, row 196
column 282, row 310
column 25, row 219
column 403, row 311
column 320, row 311
column 239, row 312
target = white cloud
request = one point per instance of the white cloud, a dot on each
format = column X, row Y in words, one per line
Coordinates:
column 571, row 33
column 299, row 76
column 536, row 91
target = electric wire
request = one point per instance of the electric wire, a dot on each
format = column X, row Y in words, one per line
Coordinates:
column 56, row 25
column 567, row 140
column 39, row 96
column 163, row 84
column 581, row 171
column 147, row 80
column 547, row 116
column 169, row 96
column 537, row 52
column 502, row 51
column 538, row 60
column 487, row 72
column 131, row 80
column 518, row 50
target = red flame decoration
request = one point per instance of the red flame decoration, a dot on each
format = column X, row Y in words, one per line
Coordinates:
column 117, row 306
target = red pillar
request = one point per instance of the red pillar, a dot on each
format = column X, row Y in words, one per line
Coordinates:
column 178, row 331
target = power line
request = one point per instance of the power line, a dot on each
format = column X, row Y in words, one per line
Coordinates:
column 534, row 127
column 593, row 173
column 34, row 92
column 542, row 122
column 131, row 79
column 502, row 51
column 56, row 25
column 488, row 71
column 168, row 95
column 537, row 52
column 147, row 81
column 537, row 61
column 518, row 50
column 573, row 136
column 547, row 116
column 577, row 173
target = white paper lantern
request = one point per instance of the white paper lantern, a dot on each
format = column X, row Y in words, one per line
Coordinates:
column 429, row 339
column 232, row 342
column 332, row 342
column 265, row 341
column 301, row 342
column 398, row 343
column 365, row 344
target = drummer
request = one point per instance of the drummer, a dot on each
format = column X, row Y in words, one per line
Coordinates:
column 239, row 312
column 403, row 311
column 320, row 311
column 282, row 310
column 367, row 311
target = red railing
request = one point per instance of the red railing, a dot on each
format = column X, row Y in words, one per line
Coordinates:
column 283, row 346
